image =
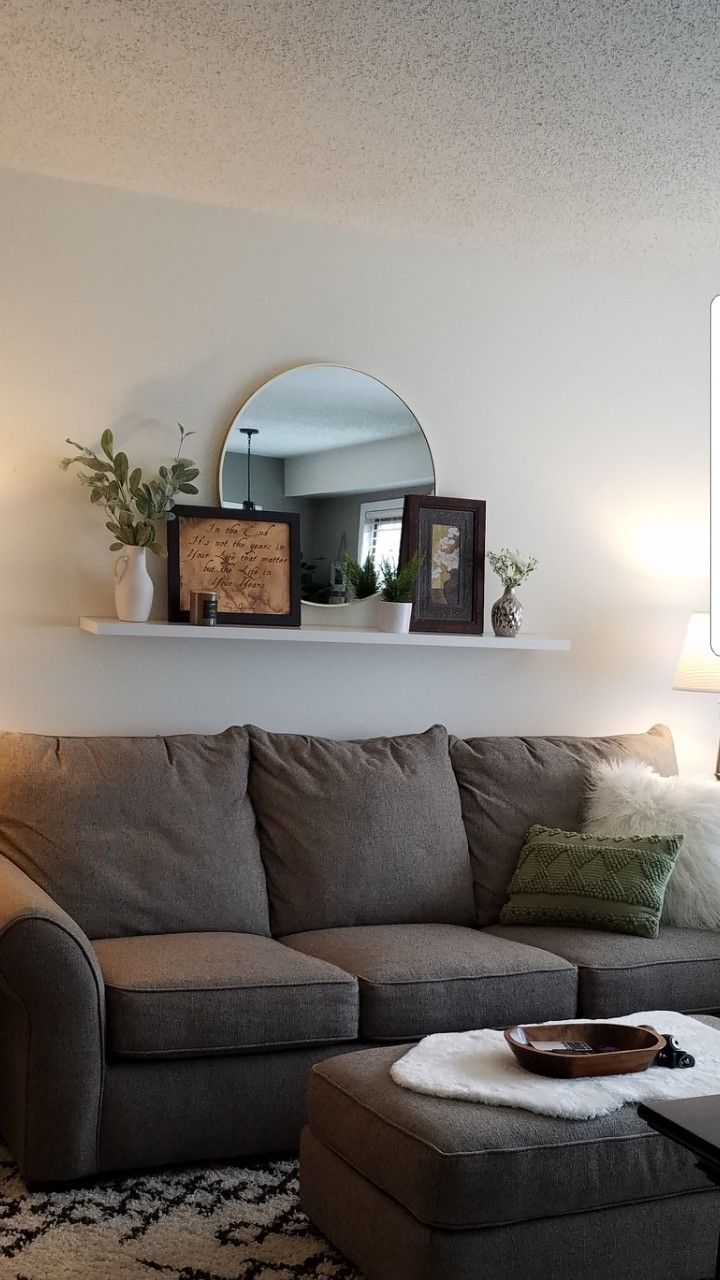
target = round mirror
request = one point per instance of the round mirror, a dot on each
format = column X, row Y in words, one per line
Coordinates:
column 340, row 449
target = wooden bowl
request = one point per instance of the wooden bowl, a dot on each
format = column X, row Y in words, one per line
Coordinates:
column 618, row 1048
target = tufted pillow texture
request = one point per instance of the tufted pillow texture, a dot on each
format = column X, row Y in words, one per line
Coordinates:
column 599, row 882
column 627, row 798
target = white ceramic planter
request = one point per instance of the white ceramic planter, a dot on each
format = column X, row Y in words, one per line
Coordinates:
column 133, row 586
column 394, row 617
column 357, row 613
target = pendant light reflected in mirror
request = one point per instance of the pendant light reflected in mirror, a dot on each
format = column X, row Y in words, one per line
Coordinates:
column 248, row 504
column 339, row 448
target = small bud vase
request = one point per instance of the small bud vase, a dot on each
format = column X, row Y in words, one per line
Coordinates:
column 507, row 614
column 133, row 586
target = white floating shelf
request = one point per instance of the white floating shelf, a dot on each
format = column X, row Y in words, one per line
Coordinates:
column 317, row 635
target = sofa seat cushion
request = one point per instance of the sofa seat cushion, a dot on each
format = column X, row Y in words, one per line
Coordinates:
column 454, row 1164
column 508, row 785
column 174, row 995
column 620, row 973
column 136, row 835
column 357, row 833
column 418, row 979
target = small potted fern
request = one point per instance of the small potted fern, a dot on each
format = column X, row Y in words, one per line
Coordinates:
column 397, row 583
column 363, row 578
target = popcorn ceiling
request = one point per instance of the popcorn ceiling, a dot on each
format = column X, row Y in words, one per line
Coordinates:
column 588, row 127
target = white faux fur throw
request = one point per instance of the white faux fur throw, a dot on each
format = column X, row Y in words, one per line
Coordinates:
column 479, row 1066
column 628, row 798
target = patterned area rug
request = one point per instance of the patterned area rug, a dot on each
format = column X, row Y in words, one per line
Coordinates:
column 215, row 1222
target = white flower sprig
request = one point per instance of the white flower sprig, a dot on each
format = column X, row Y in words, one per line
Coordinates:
column 510, row 567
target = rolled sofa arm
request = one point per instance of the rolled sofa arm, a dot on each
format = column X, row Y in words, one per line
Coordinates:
column 52, row 1016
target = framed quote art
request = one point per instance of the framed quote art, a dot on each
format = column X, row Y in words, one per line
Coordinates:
column 449, row 536
column 250, row 558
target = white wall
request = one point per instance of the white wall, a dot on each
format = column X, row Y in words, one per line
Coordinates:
column 574, row 401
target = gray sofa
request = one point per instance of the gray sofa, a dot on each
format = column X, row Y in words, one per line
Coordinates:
column 188, row 924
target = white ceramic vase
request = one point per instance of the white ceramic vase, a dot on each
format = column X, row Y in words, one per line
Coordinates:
column 133, row 586
column 394, row 617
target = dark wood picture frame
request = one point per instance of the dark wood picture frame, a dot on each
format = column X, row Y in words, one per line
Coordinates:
column 461, row 612
column 291, row 618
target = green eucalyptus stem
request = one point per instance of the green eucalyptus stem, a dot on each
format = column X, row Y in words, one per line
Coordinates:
column 133, row 507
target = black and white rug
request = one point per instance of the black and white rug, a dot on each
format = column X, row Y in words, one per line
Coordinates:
column 215, row 1222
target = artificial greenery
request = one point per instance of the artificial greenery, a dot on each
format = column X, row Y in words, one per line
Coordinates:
column 510, row 567
column 135, row 507
column 397, row 581
column 363, row 578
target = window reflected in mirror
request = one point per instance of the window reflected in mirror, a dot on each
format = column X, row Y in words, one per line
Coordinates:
column 339, row 448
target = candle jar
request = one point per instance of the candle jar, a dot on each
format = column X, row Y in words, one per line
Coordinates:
column 203, row 608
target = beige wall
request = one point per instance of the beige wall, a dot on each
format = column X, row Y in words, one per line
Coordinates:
column 574, row 401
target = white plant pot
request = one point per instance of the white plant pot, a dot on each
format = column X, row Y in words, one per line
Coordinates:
column 133, row 586
column 394, row 617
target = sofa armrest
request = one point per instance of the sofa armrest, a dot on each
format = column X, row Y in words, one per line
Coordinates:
column 52, row 1046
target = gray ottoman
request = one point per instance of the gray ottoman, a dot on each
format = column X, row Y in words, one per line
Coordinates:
column 416, row 1188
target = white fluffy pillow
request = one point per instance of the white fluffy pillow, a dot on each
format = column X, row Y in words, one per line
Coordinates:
column 628, row 798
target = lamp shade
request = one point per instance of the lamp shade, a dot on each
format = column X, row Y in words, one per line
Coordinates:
column 698, row 669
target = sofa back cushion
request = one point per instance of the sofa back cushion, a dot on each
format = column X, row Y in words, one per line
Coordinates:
column 508, row 785
column 136, row 835
column 356, row 833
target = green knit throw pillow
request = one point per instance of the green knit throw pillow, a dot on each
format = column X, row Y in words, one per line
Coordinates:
column 601, row 882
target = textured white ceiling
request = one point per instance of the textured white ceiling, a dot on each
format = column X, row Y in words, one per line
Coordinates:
column 589, row 125
column 319, row 407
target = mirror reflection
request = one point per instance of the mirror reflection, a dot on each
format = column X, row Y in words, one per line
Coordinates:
column 339, row 448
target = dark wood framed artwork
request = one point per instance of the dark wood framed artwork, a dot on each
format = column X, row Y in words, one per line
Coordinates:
column 251, row 558
column 449, row 533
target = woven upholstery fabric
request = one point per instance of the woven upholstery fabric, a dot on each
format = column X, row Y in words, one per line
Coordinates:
column 604, row 882
column 356, row 833
column 136, row 835
column 673, row 1236
column 217, row 1107
column 619, row 973
column 456, row 1164
column 52, row 1014
column 417, row 979
column 509, row 784
column 202, row 993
